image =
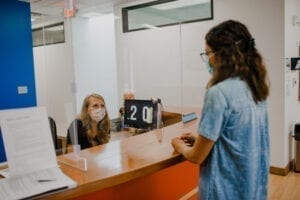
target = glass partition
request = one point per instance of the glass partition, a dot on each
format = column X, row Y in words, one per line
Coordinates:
column 54, row 70
column 162, row 61
column 97, row 57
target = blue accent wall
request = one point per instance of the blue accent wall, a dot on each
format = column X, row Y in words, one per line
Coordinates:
column 16, row 58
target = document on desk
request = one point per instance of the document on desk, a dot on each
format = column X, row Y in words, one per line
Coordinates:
column 34, row 184
column 30, row 154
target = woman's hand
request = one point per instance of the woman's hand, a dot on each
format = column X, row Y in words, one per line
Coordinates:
column 177, row 143
column 194, row 147
column 186, row 139
column 189, row 138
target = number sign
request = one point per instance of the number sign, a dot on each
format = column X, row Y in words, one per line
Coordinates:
column 140, row 113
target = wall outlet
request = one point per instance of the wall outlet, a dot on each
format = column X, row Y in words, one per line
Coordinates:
column 22, row 89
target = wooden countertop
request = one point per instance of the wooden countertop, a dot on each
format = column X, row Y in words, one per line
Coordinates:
column 120, row 161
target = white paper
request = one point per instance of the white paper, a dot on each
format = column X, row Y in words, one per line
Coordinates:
column 28, row 141
column 4, row 172
column 28, row 185
column 30, row 154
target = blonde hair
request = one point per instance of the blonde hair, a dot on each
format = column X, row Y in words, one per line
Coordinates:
column 103, row 127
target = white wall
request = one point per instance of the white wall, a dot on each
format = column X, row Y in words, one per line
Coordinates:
column 181, row 71
column 292, row 43
column 95, row 60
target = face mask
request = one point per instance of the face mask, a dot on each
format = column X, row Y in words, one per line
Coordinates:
column 209, row 67
column 98, row 114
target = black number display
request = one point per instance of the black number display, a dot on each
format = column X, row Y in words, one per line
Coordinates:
column 140, row 113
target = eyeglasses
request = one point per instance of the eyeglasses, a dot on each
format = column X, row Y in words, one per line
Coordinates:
column 205, row 55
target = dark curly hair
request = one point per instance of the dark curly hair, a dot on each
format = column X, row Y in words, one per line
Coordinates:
column 236, row 56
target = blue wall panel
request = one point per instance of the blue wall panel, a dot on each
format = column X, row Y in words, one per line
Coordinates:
column 16, row 57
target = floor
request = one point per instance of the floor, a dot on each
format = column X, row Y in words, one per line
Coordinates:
column 280, row 188
column 284, row 187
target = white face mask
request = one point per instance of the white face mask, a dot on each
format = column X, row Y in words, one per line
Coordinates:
column 98, row 114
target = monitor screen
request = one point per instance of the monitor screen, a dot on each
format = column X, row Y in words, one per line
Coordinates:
column 141, row 113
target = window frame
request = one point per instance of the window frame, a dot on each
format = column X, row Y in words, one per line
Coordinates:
column 152, row 3
column 43, row 29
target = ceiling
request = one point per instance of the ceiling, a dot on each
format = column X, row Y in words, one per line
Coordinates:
column 51, row 11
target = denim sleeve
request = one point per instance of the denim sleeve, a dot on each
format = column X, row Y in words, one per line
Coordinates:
column 213, row 114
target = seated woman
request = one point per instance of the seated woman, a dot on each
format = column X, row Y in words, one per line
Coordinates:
column 93, row 125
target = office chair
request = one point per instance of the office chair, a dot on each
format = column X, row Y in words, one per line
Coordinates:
column 116, row 124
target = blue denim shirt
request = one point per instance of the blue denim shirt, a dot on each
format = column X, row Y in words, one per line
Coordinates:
column 238, row 165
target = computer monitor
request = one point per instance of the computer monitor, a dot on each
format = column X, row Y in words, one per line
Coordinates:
column 143, row 114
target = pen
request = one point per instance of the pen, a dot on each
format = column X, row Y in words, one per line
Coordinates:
column 45, row 180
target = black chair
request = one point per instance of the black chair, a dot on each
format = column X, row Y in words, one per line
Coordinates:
column 54, row 134
column 116, row 124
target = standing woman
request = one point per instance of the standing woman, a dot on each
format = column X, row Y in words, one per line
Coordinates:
column 232, row 143
column 93, row 125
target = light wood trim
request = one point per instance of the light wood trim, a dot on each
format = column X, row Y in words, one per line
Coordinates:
column 282, row 171
column 190, row 194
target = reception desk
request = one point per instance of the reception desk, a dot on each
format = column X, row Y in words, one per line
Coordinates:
column 143, row 166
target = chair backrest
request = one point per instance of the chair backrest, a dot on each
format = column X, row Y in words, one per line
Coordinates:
column 53, row 132
column 116, row 124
